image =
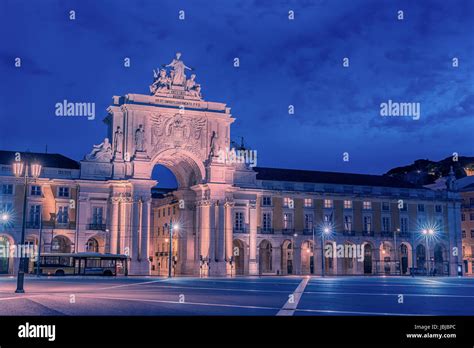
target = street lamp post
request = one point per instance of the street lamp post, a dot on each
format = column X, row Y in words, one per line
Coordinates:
column 326, row 230
column 20, row 169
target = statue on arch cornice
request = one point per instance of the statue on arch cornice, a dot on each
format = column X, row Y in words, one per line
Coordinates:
column 101, row 152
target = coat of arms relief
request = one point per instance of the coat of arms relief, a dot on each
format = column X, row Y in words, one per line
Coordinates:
column 178, row 131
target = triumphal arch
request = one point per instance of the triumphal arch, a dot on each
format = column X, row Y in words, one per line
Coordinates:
column 173, row 126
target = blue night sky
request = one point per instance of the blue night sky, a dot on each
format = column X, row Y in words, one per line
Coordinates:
column 282, row 62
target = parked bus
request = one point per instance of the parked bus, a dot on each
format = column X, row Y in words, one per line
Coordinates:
column 87, row 263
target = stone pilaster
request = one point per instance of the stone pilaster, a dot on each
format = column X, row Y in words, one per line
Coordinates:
column 253, row 262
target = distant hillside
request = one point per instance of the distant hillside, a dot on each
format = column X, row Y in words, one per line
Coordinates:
column 426, row 172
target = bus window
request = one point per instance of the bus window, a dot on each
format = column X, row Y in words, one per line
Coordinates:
column 93, row 263
column 108, row 263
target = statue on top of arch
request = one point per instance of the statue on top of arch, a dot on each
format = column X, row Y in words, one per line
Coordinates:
column 164, row 84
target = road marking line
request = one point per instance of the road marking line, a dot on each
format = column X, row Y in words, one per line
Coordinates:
column 290, row 306
column 124, row 285
column 362, row 313
column 383, row 294
column 182, row 303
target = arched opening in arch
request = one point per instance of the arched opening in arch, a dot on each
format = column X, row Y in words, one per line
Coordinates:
column 177, row 168
column 421, row 258
column 60, row 244
column 350, row 254
column 405, row 258
column 287, row 257
column 239, row 256
column 92, row 245
column 265, row 256
column 164, row 177
column 307, row 257
column 367, row 258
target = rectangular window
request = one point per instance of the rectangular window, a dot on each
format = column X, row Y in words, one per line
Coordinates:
column 308, row 202
column 471, row 201
column 385, row 206
column 267, row 221
column 63, row 192
column 7, row 189
column 35, row 190
column 97, row 215
column 347, row 204
column 404, row 207
column 159, row 213
column 347, row 223
column 385, row 224
column 35, row 213
column 366, row 205
column 471, row 216
column 463, row 234
column 288, row 202
column 472, row 233
column 367, row 223
column 238, row 221
column 328, row 203
column 438, row 208
column 287, row 221
column 169, row 211
column 266, row 201
column 463, row 217
column 63, row 216
column 308, row 221
column 174, row 209
column 404, row 224
column 421, row 208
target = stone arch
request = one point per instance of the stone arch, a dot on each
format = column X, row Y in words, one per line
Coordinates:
column 61, row 244
column 265, row 257
column 307, row 257
column 330, row 262
column 440, row 256
column 420, row 255
column 6, row 263
column 287, row 257
column 239, row 255
column 350, row 257
column 386, row 264
column 368, row 250
column 406, row 257
column 188, row 169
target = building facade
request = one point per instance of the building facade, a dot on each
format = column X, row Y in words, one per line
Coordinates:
column 467, row 228
column 230, row 217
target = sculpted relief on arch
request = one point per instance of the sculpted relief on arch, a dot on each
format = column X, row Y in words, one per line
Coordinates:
column 178, row 131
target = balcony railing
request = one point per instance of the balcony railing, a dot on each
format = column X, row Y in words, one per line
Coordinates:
column 288, row 231
column 71, row 225
column 265, row 230
column 387, row 234
column 96, row 227
column 308, row 231
column 348, row 233
column 404, row 234
column 368, row 233
column 240, row 230
column 51, row 224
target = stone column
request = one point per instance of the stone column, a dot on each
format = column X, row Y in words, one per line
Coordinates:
column 229, row 235
column 220, row 239
column 212, row 235
column 145, row 232
column 253, row 262
column 114, row 222
column 204, row 234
